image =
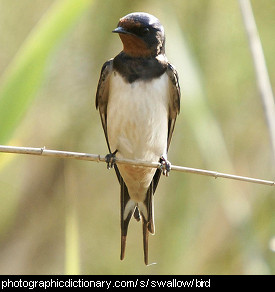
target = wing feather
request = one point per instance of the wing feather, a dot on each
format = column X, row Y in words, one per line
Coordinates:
column 174, row 104
column 102, row 95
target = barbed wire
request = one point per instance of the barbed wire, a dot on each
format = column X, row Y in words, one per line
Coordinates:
column 99, row 158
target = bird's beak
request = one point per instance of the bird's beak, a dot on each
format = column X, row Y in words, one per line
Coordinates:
column 120, row 29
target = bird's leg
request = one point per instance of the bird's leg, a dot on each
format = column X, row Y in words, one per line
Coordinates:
column 165, row 165
column 111, row 159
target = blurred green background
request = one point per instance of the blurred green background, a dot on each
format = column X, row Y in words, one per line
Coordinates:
column 62, row 216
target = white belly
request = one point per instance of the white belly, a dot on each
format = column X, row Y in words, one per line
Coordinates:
column 137, row 126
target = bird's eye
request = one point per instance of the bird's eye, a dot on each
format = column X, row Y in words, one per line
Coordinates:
column 145, row 30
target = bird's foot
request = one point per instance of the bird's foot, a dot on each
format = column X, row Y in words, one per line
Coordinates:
column 165, row 165
column 110, row 159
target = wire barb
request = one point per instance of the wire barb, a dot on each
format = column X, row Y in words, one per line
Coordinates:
column 98, row 158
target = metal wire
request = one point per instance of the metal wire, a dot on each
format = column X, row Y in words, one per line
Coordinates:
column 98, row 158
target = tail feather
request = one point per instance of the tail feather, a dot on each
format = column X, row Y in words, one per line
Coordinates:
column 144, row 210
column 127, row 209
column 145, row 241
column 147, row 214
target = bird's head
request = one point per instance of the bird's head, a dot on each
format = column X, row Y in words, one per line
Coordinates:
column 142, row 35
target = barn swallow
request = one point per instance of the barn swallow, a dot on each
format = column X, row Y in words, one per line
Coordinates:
column 138, row 97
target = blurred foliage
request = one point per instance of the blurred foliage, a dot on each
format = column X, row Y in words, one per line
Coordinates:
column 59, row 216
column 23, row 76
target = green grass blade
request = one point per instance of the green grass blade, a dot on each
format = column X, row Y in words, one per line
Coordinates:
column 24, row 75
